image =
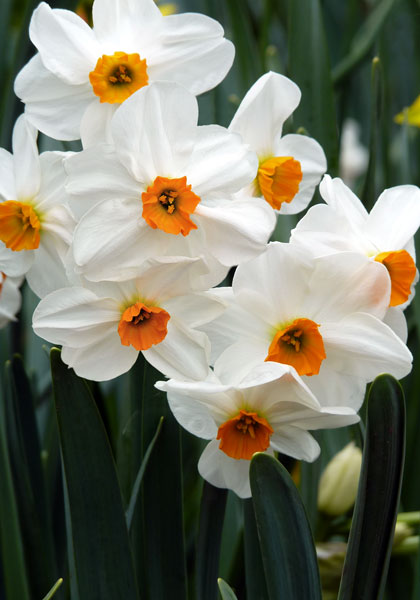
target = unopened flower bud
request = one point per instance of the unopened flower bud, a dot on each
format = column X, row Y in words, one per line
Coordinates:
column 339, row 481
column 402, row 532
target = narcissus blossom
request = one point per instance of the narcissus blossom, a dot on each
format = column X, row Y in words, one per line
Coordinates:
column 165, row 188
column 81, row 75
column 385, row 234
column 290, row 166
column 103, row 327
column 271, row 409
column 321, row 316
column 35, row 223
column 10, row 298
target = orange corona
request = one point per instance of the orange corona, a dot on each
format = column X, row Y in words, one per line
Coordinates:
column 168, row 204
column 116, row 77
column 19, row 226
column 143, row 326
column 402, row 271
column 299, row 345
column 278, row 179
column 244, row 434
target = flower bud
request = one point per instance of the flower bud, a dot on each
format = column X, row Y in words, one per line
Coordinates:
column 402, row 532
column 339, row 480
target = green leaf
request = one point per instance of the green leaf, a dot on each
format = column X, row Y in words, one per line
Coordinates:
column 52, row 591
column 102, row 558
column 225, row 590
column 375, row 512
column 212, row 513
column 309, row 67
column 363, row 40
column 12, row 557
column 254, row 569
column 287, row 547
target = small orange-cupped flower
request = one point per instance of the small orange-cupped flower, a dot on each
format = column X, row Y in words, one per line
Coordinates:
column 116, row 77
column 19, row 225
column 402, row 271
column 167, row 205
column 299, row 345
column 244, row 434
column 143, row 326
column 278, row 179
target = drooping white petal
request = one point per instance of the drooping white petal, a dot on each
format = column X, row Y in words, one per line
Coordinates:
column 313, row 163
column 7, row 179
column 237, row 230
column 154, row 131
column 261, row 114
column 105, row 359
column 344, row 283
column 10, row 300
column 295, row 442
column 395, row 217
column 191, row 414
column 26, row 159
column 14, row 264
column 52, row 105
column 395, row 319
column 220, row 163
column 343, row 201
column 183, row 354
column 222, row 471
column 195, row 53
column 363, row 346
column 66, row 43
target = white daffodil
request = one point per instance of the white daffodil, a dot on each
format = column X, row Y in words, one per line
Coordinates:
column 35, row 223
column 271, row 409
column 165, row 188
column 321, row 316
column 10, row 298
column 385, row 234
column 103, row 327
column 81, row 75
column 290, row 167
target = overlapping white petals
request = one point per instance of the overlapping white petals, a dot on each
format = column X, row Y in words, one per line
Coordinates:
column 10, row 298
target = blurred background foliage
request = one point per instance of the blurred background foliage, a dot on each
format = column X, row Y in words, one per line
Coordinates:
column 357, row 59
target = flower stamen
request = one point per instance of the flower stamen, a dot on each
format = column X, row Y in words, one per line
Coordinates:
column 116, row 77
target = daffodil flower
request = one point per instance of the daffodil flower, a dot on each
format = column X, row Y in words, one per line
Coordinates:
column 103, row 326
column 385, row 234
column 290, row 167
column 323, row 317
column 81, row 75
column 165, row 188
column 35, row 223
column 270, row 410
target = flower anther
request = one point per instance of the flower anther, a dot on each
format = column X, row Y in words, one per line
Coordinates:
column 143, row 326
column 299, row 345
column 167, row 204
column 278, row 179
column 402, row 271
column 244, row 434
column 19, row 225
column 116, row 77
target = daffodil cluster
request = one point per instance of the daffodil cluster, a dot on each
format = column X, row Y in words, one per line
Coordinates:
column 128, row 242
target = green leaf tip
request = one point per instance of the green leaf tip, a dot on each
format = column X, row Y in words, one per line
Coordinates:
column 53, row 589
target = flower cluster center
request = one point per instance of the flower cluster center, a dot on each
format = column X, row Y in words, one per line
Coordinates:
column 244, row 434
column 117, row 76
column 19, row 225
column 292, row 338
column 167, row 199
column 120, row 75
column 143, row 326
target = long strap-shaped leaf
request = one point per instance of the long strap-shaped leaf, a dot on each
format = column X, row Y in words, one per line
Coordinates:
column 287, row 547
column 371, row 534
column 102, row 557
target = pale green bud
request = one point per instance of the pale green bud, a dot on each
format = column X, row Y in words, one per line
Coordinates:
column 339, row 480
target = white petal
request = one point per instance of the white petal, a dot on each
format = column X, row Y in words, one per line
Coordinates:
column 395, row 217
column 220, row 163
column 395, row 319
column 52, row 105
column 238, row 230
column 154, row 131
column 105, row 359
column 52, row 192
column 235, row 363
column 95, row 126
column 363, row 346
column 26, row 159
column 295, row 442
column 10, row 301
column 344, row 283
column 343, row 201
column 313, row 163
column 66, row 43
column 15, row 264
column 47, row 272
column 183, row 354
column 196, row 309
column 334, row 388
column 194, row 53
column 261, row 114
column 222, row 471
column 192, row 415
column 7, row 179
